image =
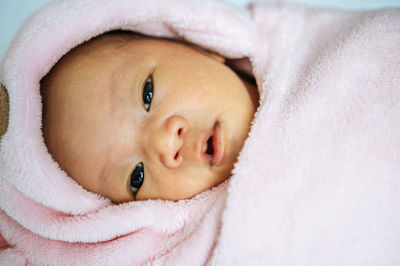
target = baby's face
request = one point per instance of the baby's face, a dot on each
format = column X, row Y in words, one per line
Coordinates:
column 146, row 119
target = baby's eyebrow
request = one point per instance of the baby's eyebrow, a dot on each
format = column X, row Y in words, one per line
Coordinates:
column 113, row 89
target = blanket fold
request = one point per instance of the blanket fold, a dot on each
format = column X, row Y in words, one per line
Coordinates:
column 317, row 182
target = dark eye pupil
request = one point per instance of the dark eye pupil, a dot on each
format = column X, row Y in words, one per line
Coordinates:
column 137, row 176
column 148, row 93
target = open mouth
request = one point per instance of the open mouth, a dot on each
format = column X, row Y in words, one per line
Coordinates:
column 210, row 149
column 213, row 147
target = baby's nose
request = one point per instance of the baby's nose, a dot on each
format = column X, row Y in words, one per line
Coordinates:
column 169, row 140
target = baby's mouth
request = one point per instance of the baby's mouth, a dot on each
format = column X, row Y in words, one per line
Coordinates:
column 213, row 147
column 210, row 149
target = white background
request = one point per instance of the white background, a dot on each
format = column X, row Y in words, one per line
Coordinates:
column 14, row 12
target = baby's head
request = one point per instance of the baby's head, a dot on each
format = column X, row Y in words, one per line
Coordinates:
column 131, row 117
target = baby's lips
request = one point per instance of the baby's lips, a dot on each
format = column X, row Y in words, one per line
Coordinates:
column 216, row 135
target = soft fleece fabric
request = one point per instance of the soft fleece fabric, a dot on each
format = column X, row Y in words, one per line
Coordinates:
column 317, row 182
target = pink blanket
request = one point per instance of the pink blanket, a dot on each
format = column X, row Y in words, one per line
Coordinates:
column 317, row 182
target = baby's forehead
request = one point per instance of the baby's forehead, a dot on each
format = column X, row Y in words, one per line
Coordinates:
column 112, row 45
column 84, row 56
column 79, row 72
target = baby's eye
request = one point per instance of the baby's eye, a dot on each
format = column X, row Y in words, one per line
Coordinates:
column 148, row 93
column 137, row 177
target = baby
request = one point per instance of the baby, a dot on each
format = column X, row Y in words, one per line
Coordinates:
column 131, row 117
